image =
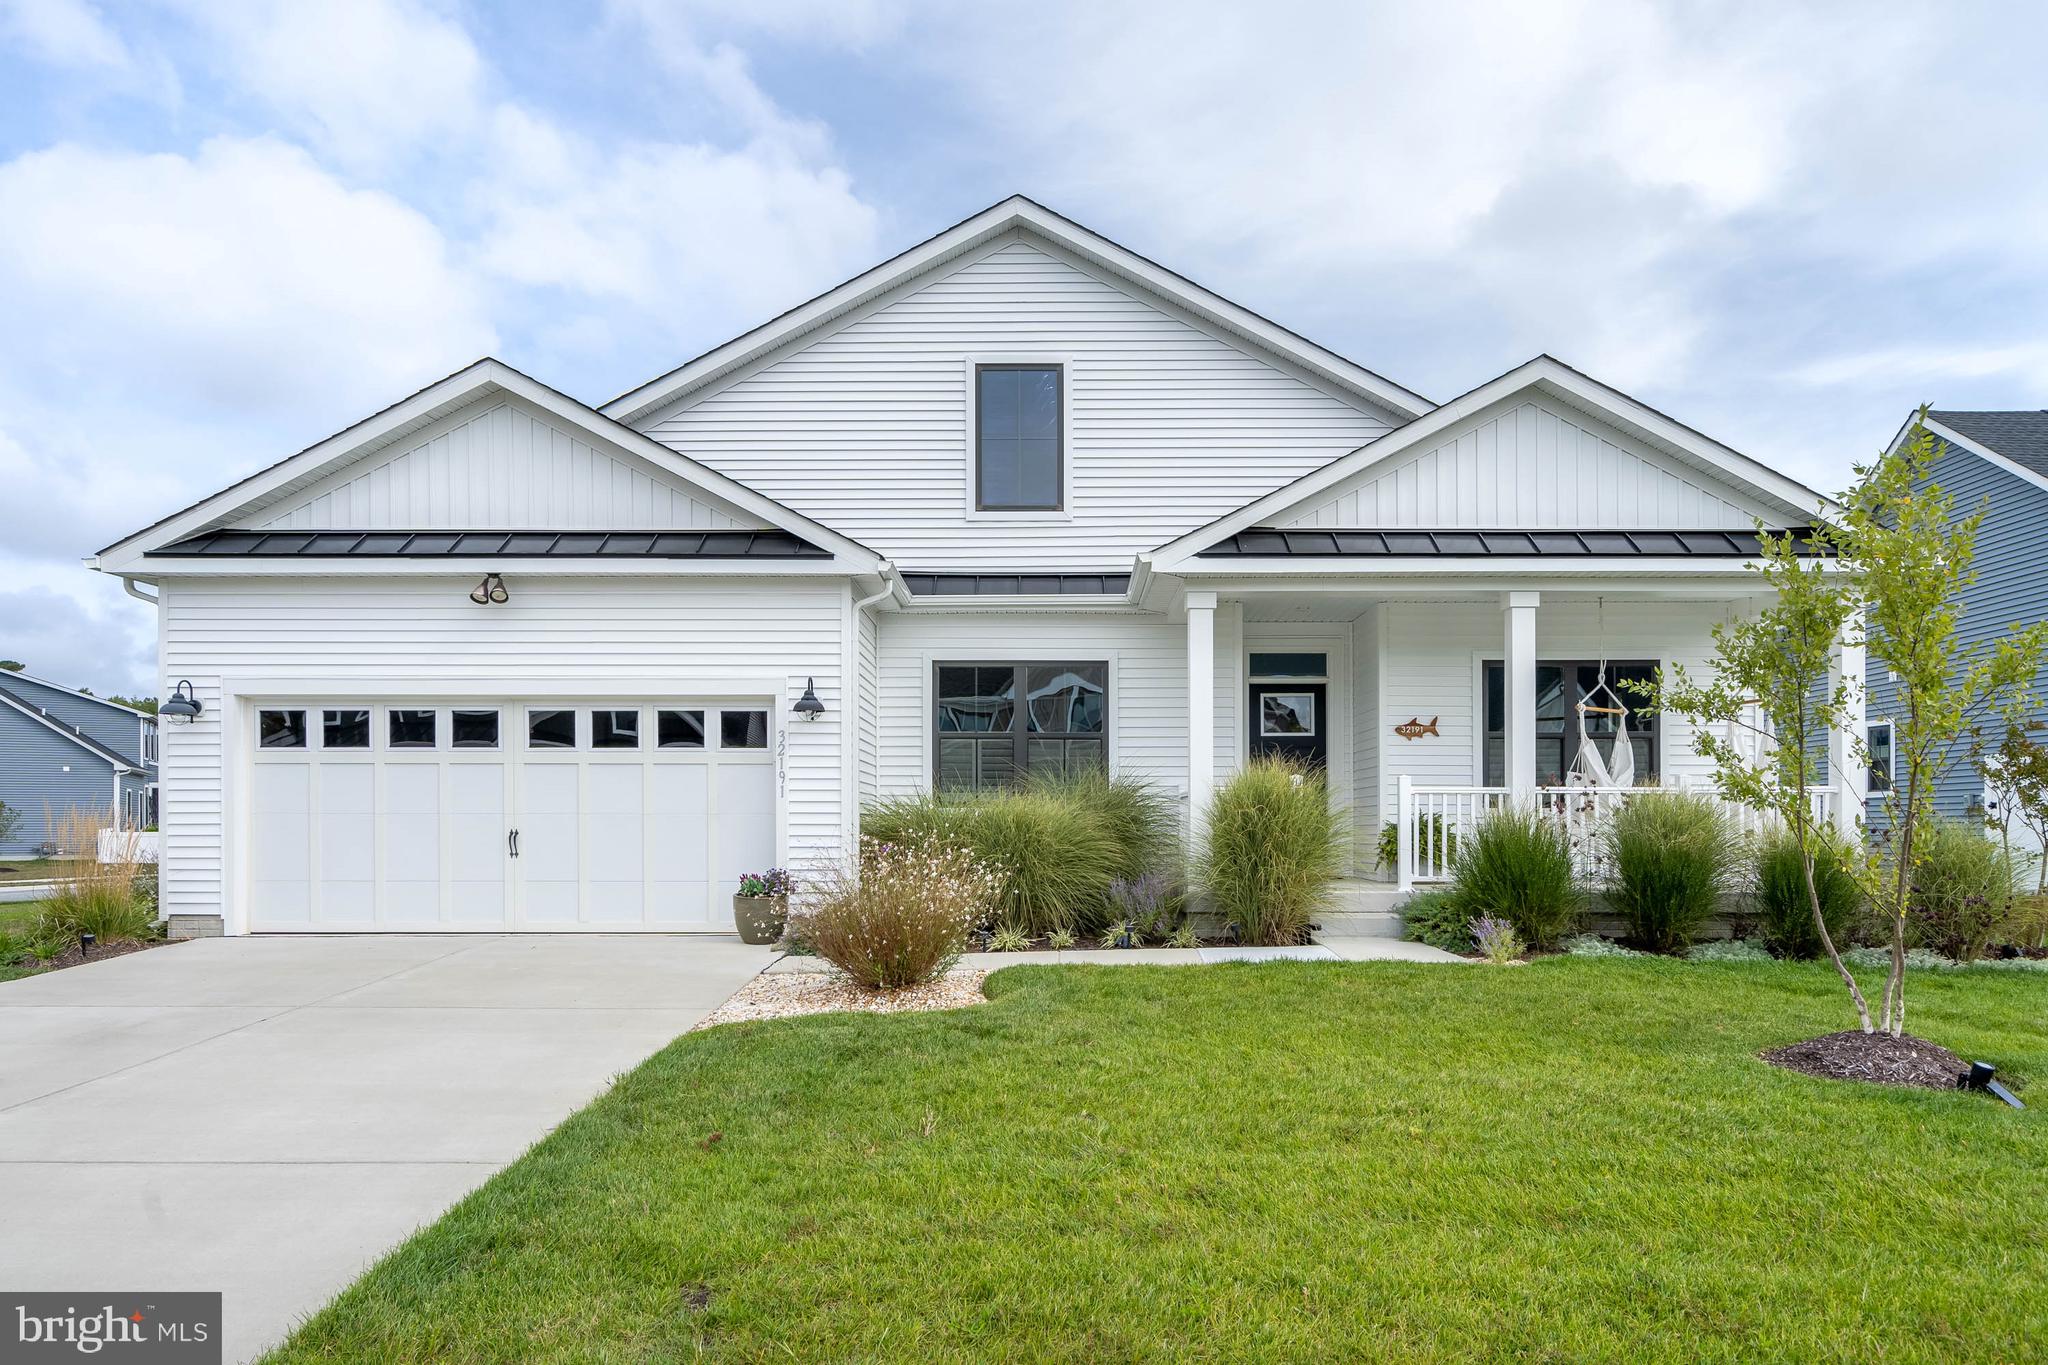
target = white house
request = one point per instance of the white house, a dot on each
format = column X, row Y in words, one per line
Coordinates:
column 1017, row 497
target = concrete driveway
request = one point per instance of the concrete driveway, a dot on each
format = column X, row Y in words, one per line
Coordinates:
column 266, row 1116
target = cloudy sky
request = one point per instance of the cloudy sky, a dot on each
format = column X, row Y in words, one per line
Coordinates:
column 230, row 227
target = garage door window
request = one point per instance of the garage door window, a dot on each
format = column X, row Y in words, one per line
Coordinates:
column 474, row 729
column 345, row 729
column 550, row 729
column 743, row 729
column 281, row 729
column 680, row 730
column 614, row 729
column 412, row 729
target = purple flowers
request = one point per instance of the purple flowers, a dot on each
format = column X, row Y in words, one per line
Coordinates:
column 775, row 881
column 1496, row 939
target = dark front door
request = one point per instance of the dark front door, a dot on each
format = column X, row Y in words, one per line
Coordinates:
column 1291, row 719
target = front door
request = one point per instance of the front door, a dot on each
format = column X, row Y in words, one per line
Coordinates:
column 1291, row 720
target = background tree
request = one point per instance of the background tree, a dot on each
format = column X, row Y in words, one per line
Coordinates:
column 9, row 818
column 1763, row 715
column 1914, row 558
column 2018, row 771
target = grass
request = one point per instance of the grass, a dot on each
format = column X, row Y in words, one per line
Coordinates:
column 1572, row 1160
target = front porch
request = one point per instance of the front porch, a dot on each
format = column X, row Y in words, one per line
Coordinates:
column 1430, row 703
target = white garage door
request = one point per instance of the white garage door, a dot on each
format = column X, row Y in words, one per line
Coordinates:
column 542, row 815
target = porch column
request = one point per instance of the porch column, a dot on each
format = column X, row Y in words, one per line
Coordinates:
column 1201, row 704
column 1518, row 610
column 1847, row 775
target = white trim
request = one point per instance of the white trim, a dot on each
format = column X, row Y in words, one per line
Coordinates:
column 1891, row 757
column 460, row 390
column 1016, row 212
column 1977, row 448
column 971, row 498
column 1542, row 375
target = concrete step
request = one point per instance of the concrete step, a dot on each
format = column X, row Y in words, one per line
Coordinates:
column 1353, row 924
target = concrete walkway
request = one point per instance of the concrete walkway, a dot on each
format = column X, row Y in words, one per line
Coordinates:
column 266, row 1116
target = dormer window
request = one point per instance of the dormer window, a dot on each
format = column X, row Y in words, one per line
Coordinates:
column 1019, row 446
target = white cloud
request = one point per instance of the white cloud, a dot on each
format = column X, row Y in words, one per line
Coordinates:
column 370, row 81
column 1927, row 364
column 67, row 33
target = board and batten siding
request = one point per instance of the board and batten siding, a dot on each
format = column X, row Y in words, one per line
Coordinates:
column 1147, row 657
column 555, row 637
column 865, row 428
column 2010, row 589
column 498, row 465
column 1531, row 464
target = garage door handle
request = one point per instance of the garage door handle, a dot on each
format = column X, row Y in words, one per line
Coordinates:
column 512, row 843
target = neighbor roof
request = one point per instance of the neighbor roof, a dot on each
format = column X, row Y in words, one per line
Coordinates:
column 1268, row 543
column 972, row 233
column 70, row 732
column 2021, row 437
column 12, row 675
column 506, row 544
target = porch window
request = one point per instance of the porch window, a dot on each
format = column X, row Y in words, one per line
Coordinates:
column 1878, row 740
column 1560, row 686
column 982, row 737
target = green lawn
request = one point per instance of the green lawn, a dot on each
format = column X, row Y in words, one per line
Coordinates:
column 1574, row 1160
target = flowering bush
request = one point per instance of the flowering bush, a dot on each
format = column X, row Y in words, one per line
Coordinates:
column 902, row 915
column 1152, row 905
column 1496, row 940
column 774, row 882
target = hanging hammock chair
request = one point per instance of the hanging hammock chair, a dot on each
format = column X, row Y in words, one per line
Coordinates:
column 1751, row 736
column 1617, row 767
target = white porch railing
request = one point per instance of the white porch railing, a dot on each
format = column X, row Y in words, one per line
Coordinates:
column 1434, row 820
column 127, row 846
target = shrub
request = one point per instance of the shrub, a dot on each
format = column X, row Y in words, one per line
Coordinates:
column 1439, row 919
column 1054, row 861
column 1496, row 940
column 1516, row 864
column 1784, row 913
column 1184, row 937
column 103, row 907
column 1153, row 904
column 1272, row 846
column 902, row 916
column 1434, row 831
column 1592, row 945
column 1674, row 856
column 1138, row 818
column 1060, row 939
column 1962, row 889
column 1730, row 950
column 1004, row 939
column 1122, row 934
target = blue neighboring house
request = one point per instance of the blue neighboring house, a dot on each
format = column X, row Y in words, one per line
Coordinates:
column 60, row 748
column 1997, row 460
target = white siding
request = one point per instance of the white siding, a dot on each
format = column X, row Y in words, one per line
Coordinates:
column 502, row 465
column 1531, row 465
column 865, row 428
column 1430, row 668
column 1365, row 737
column 554, row 637
column 867, row 696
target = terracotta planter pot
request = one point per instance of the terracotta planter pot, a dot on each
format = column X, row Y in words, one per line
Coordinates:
column 760, row 919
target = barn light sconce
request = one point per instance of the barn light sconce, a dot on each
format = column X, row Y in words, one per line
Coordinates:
column 808, row 706
column 183, row 708
column 492, row 589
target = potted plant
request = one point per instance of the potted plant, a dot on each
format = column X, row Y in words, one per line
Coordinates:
column 761, row 909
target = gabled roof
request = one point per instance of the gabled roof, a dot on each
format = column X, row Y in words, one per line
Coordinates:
column 1542, row 375
column 10, row 702
column 7, row 674
column 1016, row 212
column 1464, row 544
column 459, row 390
column 2016, row 442
column 494, row 544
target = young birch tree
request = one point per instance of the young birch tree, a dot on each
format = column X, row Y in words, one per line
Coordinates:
column 1915, row 558
column 1764, row 713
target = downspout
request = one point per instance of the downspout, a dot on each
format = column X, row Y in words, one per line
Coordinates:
column 849, row 756
column 128, row 586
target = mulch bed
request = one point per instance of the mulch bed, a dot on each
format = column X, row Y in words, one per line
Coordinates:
column 784, row 995
column 1877, row 1058
column 72, row 957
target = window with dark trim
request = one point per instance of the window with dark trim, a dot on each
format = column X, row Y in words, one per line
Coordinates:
column 1877, row 739
column 1018, row 459
column 983, row 737
column 1560, row 686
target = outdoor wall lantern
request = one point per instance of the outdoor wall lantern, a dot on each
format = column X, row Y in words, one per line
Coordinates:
column 492, row 589
column 808, row 706
column 183, row 708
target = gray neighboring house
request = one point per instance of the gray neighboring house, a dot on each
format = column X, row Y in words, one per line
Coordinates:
column 1999, row 461
column 60, row 749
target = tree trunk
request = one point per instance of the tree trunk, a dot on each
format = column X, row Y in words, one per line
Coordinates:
column 1827, row 940
column 1902, row 886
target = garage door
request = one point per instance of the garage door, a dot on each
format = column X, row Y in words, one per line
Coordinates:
column 540, row 815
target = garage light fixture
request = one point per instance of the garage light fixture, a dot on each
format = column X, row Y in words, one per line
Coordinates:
column 183, row 708
column 492, row 589
column 808, row 706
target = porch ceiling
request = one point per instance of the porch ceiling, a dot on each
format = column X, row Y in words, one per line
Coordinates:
column 1335, row 603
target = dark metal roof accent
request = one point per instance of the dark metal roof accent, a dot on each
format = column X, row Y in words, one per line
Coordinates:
column 1269, row 543
column 496, row 544
column 2021, row 437
column 1017, row 585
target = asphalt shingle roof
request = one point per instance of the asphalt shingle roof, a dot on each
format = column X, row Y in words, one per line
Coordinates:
column 2021, row 437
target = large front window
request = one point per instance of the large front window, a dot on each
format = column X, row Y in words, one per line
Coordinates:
column 994, row 723
column 1560, row 686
